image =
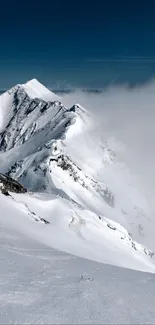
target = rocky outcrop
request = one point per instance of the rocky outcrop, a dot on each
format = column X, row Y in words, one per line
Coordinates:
column 7, row 184
column 65, row 162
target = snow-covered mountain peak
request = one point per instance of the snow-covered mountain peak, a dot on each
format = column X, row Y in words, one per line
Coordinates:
column 36, row 90
column 25, row 116
column 52, row 150
column 30, row 90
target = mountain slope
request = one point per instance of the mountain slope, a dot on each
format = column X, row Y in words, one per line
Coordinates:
column 39, row 285
column 74, row 179
column 62, row 224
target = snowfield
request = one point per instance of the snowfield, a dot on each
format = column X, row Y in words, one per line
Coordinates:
column 40, row 285
column 82, row 206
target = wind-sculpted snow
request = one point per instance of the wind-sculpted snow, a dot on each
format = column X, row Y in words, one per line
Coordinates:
column 76, row 186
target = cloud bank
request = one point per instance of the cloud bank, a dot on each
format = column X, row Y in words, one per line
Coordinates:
column 128, row 117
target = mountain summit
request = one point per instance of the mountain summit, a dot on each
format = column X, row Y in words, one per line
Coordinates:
column 35, row 89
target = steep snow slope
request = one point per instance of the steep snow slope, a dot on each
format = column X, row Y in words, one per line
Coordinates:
column 52, row 149
column 39, row 285
column 62, row 224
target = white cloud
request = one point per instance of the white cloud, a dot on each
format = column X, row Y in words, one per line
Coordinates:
column 127, row 115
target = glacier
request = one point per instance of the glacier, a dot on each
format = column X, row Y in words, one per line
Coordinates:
column 82, row 211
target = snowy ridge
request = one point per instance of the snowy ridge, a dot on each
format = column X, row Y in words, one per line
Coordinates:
column 73, row 180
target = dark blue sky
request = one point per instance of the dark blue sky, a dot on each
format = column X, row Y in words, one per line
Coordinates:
column 77, row 43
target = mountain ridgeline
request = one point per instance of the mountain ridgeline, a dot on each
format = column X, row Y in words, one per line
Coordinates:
column 35, row 126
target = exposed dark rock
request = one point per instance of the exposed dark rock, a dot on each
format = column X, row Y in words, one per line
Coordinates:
column 44, row 221
column 13, row 168
column 7, row 184
column 67, row 164
column 4, row 191
column 149, row 253
column 133, row 246
column 110, row 226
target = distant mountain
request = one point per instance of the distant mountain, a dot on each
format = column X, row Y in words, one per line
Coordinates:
column 94, row 90
column 69, row 90
column 2, row 91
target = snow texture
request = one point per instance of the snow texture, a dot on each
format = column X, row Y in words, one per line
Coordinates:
column 39, row 285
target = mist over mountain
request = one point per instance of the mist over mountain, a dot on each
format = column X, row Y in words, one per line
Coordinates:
column 77, row 157
column 76, row 177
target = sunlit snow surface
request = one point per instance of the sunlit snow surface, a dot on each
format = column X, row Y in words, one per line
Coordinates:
column 93, row 209
column 35, row 89
column 39, row 285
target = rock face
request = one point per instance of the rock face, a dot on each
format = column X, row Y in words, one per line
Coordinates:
column 7, row 184
column 36, row 131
